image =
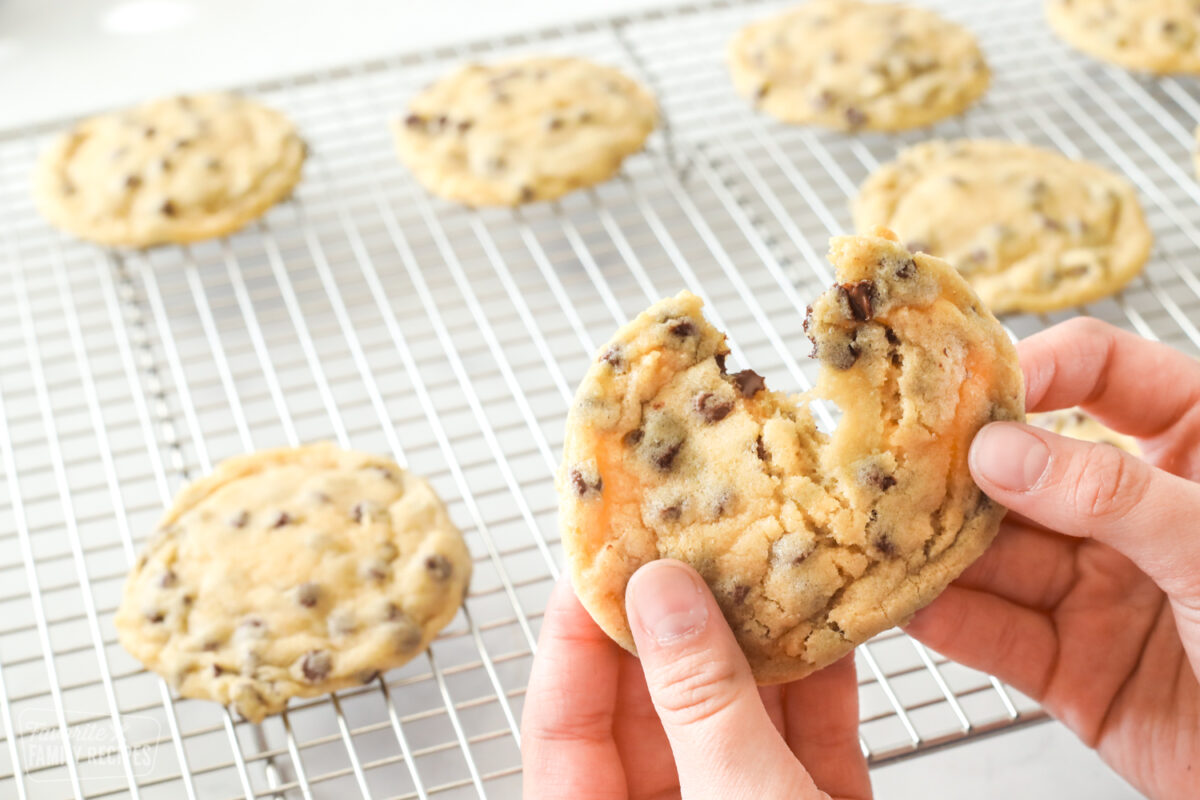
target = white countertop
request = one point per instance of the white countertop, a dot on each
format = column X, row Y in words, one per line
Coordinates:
column 73, row 55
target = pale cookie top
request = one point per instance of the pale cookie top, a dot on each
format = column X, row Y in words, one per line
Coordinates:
column 522, row 131
column 848, row 65
column 293, row 572
column 811, row 543
column 172, row 170
column 1030, row 229
column 1078, row 424
column 1153, row 35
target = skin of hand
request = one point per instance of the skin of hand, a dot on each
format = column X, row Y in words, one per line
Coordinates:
column 1089, row 600
column 686, row 720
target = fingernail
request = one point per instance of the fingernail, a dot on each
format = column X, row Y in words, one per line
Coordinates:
column 1009, row 456
column 668, row 602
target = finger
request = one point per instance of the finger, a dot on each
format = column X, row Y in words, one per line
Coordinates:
column 986, row 632
column 772, row 700
column 641, row 741
column 1027, row 565
column 1107, row 370
column 566, row 727
column 822, row 730
column 722, row 737
column 1095, row 491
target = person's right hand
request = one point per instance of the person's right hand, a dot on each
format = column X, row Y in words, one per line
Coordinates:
column 1089, row 600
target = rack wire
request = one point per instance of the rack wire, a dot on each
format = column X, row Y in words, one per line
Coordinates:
column 364, row 311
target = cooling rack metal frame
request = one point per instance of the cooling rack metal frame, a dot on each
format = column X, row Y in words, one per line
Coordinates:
column 366, row 312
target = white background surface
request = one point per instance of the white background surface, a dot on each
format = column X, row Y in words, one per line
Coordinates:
column 69, row 56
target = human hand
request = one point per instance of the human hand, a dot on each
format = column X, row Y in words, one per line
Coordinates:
column 1089, row 600
column 686, row 721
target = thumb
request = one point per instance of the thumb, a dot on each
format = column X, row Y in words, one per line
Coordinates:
column 1096, row 491
column 724, row 743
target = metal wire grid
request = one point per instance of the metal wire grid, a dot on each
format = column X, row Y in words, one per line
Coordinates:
column 366, row 312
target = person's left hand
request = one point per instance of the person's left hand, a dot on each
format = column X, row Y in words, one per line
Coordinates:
column 686, row 721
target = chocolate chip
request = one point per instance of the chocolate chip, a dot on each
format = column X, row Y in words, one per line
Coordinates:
column 906, row 269
column 712, row 408
column 217, row 669
column 281, row 519
column 581, row 485
column 441, row 122
column 168, row 579
column 683, row 328
column 671, row 513
column 666, row 456
column 839, row 353
column 748, row 382
column 720, row 359
column 873, row 475
column 860, row 296
column 414, row 121
column 527, row 194
column 633, row 438
column 891, row 336
column 155, row 615
column 855, row 118
column 361, row 510
column 761, row 449
column 167, row 209
column 307, row 594
column 612, row 357
column 239, row 519
column 439, row 566
column 187, row 599
column 723, row 503
column 740, row 592
column 316, row 665
column 132, row 181
column 885, row 546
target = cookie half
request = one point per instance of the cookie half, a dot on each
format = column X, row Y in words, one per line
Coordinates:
column 173, row 170
column 292, row 573
column 811, row 542
column 1030, row 229
column 523, row 131
column 853, row 65
column 1159, row 36
column 1078, row 424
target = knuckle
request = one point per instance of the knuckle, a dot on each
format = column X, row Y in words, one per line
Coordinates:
column 693, row 689
column 1103, row 483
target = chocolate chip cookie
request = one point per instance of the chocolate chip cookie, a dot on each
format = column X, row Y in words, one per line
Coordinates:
column 1078, row 424
column 811, row 542
column 1030, row 229
column 173, row 170
column 1152, row 35
column 292, row 573
column 852, row 65
column 523, row 131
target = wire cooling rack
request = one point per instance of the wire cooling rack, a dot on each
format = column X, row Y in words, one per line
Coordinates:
column 366, row 312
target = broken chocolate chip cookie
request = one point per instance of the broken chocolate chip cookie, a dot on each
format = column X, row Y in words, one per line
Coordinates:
column 811, row 542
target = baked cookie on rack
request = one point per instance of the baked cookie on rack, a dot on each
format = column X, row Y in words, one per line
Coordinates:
column 1160, row 36
column 523, row 131
column 178, row 170
column 1078, row 424
column 853, row 65
column 1030, row 229
column 811, row 542
column 293, row 573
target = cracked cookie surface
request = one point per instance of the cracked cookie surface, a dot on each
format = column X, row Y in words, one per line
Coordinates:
column 523, row 131
column 1158, row 36
column 177, row 169
column 811, row 542
column 1029, row 228
column 293, row 573
column 851, row 65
